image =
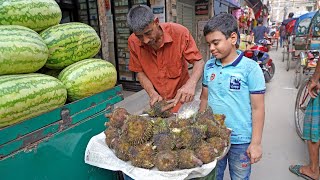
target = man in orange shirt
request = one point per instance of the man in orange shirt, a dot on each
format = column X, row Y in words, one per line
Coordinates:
column 159, row 53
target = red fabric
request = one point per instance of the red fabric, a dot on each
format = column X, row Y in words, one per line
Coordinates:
column 167, row 67
column 258, row 13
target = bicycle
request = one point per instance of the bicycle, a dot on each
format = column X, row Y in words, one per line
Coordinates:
column 301, row 104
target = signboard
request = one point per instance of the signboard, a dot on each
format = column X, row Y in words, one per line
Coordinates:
column 202, row 7
column 158, row 9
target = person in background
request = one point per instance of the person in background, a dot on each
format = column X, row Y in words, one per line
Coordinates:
column 234, row 85
column 159, row 54
column 283, row 33
column 259, row 32
column 311, row 131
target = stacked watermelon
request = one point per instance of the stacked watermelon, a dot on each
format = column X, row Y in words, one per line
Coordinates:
column 44, row 63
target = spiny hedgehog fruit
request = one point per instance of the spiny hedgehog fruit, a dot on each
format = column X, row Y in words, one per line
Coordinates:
column 117, row 117
column 157, row 110
column 224, row 132
column 142, row 155
column 160, row 126
column 137, row 129
column 180, row 123
column 166, row 160
column 206, row 152
column 190, row 136
column 163, row 141
column 188, row 159
column 111, row 134
column 218, row 143
column 122, row 149
column 220, row 118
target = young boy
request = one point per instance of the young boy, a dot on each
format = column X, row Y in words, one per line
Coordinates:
column 234, row 85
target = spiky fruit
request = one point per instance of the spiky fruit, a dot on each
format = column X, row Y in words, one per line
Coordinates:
column 206, row 152
column 117, row 117
column 142, row 155
column 157, row 110
column 180, row 123
column 190, row 137
column 160, row 126
column 111, row 134
column 218, row 143
column 220, row 118
column 188, row 159
column 137, row 129
column 122, row 149
column 224, row 132
column 163, row 141
column 166, row 160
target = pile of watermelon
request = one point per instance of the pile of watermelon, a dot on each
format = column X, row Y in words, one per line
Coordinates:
column 44, row 63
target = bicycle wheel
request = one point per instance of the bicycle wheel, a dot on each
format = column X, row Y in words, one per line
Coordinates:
column 300, row 107
column 298, row 74
column 288, row 61
column 284, row 52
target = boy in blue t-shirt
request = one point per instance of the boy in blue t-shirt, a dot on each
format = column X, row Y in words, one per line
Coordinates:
column 234, row 85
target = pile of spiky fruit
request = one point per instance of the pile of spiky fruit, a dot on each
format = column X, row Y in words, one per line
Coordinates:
column 166, row 143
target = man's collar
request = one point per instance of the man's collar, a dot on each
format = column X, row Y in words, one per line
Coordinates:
column 235, row 62
column 166, row 36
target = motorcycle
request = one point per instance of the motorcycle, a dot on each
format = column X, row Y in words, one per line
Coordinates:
column 259, row 53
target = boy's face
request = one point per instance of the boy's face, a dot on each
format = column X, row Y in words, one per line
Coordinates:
column 219, row 46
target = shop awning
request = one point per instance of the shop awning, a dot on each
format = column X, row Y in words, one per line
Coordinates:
column 256, row 5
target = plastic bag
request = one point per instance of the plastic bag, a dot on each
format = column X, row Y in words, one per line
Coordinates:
column 188, row 110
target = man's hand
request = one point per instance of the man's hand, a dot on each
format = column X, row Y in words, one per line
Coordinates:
column 185, row 93
column 154, row 97
column 313, row 88
column 254, row 152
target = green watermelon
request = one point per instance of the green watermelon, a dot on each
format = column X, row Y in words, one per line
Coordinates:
column 34, row 14
column 88, row 77
column 27, row 95
column 22, row 50
column 69, row 43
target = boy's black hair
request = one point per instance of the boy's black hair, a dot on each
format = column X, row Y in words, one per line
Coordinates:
column 260, row 21
column 225, row 23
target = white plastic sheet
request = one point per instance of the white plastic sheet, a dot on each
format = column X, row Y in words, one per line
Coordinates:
column 100, row 155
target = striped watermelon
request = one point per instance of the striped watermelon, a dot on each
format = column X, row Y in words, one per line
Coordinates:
column 22, row 50
column 34, row 14
column 69, row 43
column 28, row 95
column 88, row 77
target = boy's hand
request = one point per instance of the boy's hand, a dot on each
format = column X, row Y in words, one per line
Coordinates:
column 254, row 152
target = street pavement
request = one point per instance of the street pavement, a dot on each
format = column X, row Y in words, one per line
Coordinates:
column 281, row 145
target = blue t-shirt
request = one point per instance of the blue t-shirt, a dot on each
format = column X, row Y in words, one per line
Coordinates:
column 259, row 33
column 229, row 89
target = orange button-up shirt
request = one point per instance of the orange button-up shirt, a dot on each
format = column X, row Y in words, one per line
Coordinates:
column 166, row 67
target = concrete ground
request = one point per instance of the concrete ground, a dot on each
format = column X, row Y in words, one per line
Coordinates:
column 281, row 145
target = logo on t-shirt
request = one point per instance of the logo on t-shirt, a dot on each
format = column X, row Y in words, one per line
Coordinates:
column 212, row 76
column 235, row 83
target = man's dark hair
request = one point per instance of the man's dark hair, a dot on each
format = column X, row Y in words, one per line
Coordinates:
column 291, row 15
column 260, row 21
column 225, row 23
column 139, row 17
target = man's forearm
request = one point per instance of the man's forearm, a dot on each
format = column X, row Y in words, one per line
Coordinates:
column 196, row 72
column 145, row 83
column 316, row 74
